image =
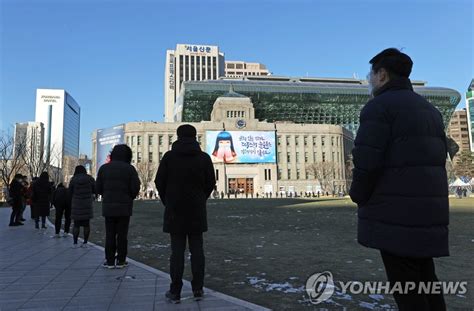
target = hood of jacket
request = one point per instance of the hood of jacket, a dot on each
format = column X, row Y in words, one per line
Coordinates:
column 186, row 146
column 401, row 83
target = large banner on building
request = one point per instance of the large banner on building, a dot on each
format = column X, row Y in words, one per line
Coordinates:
column 106, row 140
column 241, row 146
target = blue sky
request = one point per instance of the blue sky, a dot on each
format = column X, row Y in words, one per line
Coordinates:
column 110, row 55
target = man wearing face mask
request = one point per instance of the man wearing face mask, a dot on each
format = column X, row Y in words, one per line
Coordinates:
column 400, row 145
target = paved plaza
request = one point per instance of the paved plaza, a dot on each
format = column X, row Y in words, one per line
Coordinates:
column 40, row 272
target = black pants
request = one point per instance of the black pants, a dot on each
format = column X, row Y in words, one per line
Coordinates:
column 16, row 213
column 178, row 246
column 43, row 220
column 59, row 217
column 404, row 269
column 116, row 232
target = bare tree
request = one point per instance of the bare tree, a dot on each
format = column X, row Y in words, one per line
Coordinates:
column 464, row 164
column 10, row 157
column 146, row 172
column 33, row 157
column 55, row 172
column 324, row 172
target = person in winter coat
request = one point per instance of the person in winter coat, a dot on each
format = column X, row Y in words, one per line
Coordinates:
column 42, row 199
column 62, row 204
column 82, row 193
column 119, row 185
column 400, row 145
column 185, row 180
column 15, row 199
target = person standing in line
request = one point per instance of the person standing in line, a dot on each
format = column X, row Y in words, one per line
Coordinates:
column 119, row 185
column 82, row 193
column 42, row 199
column 401, row 144
column 15, row 199
column 185, row 180
column 62, row 205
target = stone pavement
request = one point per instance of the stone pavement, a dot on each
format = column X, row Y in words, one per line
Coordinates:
column 39, row 272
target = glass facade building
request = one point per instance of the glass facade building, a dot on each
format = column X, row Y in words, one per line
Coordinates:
column 298, row 100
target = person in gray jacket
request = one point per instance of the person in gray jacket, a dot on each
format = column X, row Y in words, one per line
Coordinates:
column 82, row 192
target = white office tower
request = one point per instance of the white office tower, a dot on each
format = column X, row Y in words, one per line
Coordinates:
column 60, row 115
column 189, row 63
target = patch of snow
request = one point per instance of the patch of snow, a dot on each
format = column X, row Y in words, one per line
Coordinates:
column 259, row 246
column 136, row 246
column 349, row 261
column 227, row 260
column 367, row 305
column 276, row 244
column 369, row 260
column 377, row 297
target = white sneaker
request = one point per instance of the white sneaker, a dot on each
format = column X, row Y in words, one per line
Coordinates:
column 85, row 245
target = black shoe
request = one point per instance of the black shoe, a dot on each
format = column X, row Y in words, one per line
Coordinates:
column 121, row 265
column 44, row 227
column 23, row 219
column 172, row 297
column 13, row 224
column 198, row 294
column 107, row 266
column 37, row 226
column 19, row 223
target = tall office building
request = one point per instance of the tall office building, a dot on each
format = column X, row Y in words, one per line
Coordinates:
column 470, row 113
column 189, row 63
column 239, row 69
column 61, row 115
column 458, row 129
column 29, row 140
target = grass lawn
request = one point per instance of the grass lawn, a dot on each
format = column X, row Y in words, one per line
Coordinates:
column 263, row 250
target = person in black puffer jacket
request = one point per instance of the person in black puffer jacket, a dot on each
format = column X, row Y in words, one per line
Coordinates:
column 185, row 180
column 399, row 179
column 118, row 183
column 62, row 204
column 82, row 193
column 41, row 198
column 15, row 193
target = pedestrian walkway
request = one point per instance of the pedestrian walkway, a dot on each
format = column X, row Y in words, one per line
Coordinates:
column 40, row 272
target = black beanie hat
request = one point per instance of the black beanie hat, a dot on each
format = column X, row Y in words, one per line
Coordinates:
column 186, row 130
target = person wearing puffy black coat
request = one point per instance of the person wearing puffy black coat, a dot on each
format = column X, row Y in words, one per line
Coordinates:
column 399, row 179
column 62, row 204
column 118, row 183
column 41, row 199
column 185, row 180
column 82, row 193
column 15, row 194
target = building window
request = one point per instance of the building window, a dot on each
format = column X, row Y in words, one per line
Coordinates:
column 298, row 174
column 332, row 140
column 324, row 156
column 139, row 140
column 288, row 159
column 133, row 140
column 160, row 140
column 128, row 140
column 314, row 140
column 297, row 138
column 217, row 175
column 170, row 139
column 279, row 140
column 268, row 174
column 199, row 139
column 305, row 157
column 150, row 157
column 279, row 174
column 160, row 155
column 314, row 157
column 323, row 140
column 139, row 157
column 150, row 140
column 289, row 173
column 287, row 140
column 305, row 140
column 297, row 157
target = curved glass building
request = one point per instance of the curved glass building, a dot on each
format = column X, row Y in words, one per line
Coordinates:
column 298, row 100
